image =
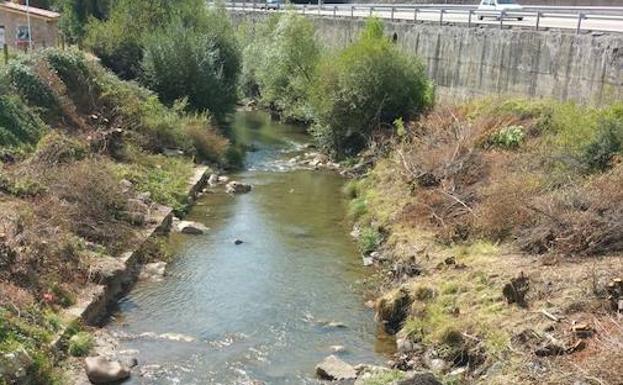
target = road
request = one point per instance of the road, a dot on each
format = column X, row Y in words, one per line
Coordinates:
column 595, row 19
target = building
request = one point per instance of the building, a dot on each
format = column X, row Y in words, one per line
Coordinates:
column 43, row 24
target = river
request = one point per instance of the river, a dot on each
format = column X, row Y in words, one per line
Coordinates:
column 263, row 310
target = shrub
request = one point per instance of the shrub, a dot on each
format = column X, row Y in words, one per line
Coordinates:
column 80, row 80
column 369, row 240
column 80, row 344
column 32, row 88
column 199, row 62
column 118, row 40
column 91, row 200
column 284, row 58
column 507, row 138
column 597, row 154
column 56, row 148
column 18, row 124
column 366, row 86
column 207, row 142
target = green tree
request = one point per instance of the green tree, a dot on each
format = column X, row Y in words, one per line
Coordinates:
column 76, row 14
column 284, row 60
column 366, row 86
column 195, row 58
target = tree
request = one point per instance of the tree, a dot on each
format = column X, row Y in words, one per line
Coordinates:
column 287, row 57
column 366, row 86
column 195, row 58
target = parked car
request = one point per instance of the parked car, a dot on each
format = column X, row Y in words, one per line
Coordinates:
column 499, row 6
column 273, row 4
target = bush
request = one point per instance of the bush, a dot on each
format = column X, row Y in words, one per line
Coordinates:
column 200, row 62
column 18, row 124
column 80, row 80
column 369, row 240
column 118, row 40
column 33, row 88
column 56, row 148
column 507, row 138
column 91, row 201
column 80, row 344
column 366, row 86
column 283, row 59
column 597, row 155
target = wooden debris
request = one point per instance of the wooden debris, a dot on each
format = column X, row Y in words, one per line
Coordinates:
column 550, row 315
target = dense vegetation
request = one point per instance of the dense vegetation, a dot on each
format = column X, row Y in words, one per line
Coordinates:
column 457, row 203
column 82, row 166
column 347, row 95
column 179, row 49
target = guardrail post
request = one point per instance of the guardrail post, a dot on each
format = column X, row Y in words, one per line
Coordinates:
column 393, row 10
column 244, row 4
column 304, row 8
column 538, row 20
column 352, row 11
column 334, row 11
column 580, row 17
column 415, row 14
column 502, row 14
column 371, row 10
column 469, row 18
column 441, row 12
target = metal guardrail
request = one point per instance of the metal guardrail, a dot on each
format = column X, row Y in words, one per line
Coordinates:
column 473, row 17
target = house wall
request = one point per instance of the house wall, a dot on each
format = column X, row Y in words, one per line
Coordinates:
column 44, row 32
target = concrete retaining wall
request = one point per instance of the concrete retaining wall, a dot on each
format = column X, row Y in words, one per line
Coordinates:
column 94, row 302
column 466, row 62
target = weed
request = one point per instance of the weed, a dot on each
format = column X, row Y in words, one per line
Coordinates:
column 80, row 344
column 369, row 239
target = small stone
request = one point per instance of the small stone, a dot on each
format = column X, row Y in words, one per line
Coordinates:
column 238, row 242
column 213, row 180
column 438, row 365
column 338, row 348
column 235, row 187
column 333, row 368
column 153, row 271
column 188, row 227
column 101, row 370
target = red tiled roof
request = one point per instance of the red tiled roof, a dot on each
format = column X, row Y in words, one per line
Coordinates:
column 36, row 12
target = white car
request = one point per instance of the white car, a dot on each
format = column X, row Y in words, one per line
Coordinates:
column 499, row 6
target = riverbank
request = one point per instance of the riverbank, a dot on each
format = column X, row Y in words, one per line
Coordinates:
column 91, row 167
column 498, row 224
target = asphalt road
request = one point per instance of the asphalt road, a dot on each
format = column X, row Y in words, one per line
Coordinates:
column 595, row 20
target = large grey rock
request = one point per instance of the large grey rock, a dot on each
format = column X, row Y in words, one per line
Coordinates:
column 189, row 227
column 101, row 370
column 235, row 187
column 14, row 365
column 333, row 368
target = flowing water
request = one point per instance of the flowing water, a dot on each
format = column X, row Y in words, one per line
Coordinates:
column 270, row 308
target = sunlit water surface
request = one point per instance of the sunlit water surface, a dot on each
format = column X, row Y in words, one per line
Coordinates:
column 259, row 310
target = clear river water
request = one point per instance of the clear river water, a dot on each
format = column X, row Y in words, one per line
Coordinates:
column 229, row 314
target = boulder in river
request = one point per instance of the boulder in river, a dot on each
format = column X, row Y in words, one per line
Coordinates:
column 235, row 187
column 189, row 227
column 213, row 180
column 101, row 370
column 333, row 368
column 153, row 271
